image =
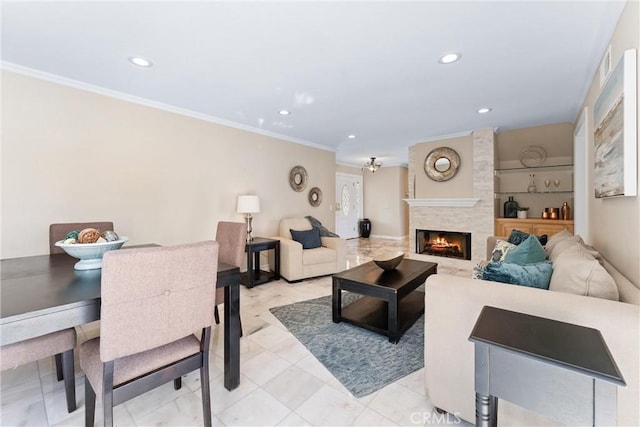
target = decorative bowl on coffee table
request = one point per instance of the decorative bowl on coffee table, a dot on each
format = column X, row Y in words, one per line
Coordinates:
column 388, row 260
column 90, row 254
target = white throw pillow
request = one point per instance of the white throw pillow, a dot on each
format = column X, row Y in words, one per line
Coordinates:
column 576, row 271
column 565, row 244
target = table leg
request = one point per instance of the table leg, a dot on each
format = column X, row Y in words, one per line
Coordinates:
column 336, row 302
column 256, row 264
column 277, row 262
column 232, row 335
column 250, row 272
column 393, row 323
column 486, row 411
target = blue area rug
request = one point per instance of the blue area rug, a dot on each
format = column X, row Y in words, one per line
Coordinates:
column 361, row 360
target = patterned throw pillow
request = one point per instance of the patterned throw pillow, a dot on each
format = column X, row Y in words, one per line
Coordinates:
column 478, row 270
column 516, row 237
column 532, row 275
column 500, row 250
column 528, row 252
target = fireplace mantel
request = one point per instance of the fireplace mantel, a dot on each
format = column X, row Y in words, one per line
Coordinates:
column 457, row 202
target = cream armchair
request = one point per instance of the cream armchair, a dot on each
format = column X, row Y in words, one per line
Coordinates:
column 297, row 263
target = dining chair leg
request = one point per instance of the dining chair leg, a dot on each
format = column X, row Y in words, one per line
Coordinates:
column 216, row 315
column 69, row 379
column 204, row 376
column 89, row 403
column 58, row 359
column 177, row 383
column 107, row 393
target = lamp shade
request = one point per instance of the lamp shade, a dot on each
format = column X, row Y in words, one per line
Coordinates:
column 248, row 203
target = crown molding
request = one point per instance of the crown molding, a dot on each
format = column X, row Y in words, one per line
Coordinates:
column 54, row 78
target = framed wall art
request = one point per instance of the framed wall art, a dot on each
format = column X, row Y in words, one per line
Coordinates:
column 615, row 136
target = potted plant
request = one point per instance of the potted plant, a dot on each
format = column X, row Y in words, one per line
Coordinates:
column 522, row 212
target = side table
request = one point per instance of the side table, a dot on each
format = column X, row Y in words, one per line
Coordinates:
column 561, row 370
column 254, row 276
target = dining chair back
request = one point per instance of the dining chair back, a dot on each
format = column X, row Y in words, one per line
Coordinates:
column 59, row 231
column 59, row 343
column 232, row 238
column 153, row 300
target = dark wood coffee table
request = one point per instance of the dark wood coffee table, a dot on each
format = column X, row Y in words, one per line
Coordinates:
column 390, row 304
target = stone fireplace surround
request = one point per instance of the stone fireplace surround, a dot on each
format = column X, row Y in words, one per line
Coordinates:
column 473, row 214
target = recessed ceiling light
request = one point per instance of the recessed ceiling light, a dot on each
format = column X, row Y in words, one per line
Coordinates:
column 140, row 62
column 450, row 58
column 484, row 110
column 352, row 136
column 284, row 112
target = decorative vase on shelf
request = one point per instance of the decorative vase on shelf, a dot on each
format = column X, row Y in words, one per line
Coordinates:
column 510, row 208
column 522, row 213
column 565, row 210
column 532, row 184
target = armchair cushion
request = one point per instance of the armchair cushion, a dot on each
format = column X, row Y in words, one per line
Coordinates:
column 310, row 239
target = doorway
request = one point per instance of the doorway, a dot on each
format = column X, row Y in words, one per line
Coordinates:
column 349, row 204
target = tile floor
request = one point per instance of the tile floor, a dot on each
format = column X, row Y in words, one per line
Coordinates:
column 281, row 384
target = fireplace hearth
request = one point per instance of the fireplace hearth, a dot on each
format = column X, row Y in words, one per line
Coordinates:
column 450, row 244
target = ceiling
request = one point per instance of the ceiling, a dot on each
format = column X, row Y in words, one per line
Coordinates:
column 370, row 69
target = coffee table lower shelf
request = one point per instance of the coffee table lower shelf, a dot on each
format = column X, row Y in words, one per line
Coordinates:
column 373, row 313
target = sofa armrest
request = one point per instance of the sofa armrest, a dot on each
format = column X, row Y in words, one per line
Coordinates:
column 340, row 246
column 452, row 305
column 290, row 258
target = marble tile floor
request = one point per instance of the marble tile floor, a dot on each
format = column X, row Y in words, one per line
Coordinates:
column 281, row 384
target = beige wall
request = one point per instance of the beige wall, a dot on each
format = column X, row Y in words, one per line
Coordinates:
column 383, row 204
column 614, row 223
column 73, row 155
column 348, row 169
column 458, row 186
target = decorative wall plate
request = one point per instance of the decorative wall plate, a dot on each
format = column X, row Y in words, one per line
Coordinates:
column 315, row 197
column 298, row 178
column 441, row 164
column 533, row 156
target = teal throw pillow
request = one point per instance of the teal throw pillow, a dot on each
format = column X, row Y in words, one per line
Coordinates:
column 532, row 275
column 310, row 239
column 528, row 252
column 516, row 237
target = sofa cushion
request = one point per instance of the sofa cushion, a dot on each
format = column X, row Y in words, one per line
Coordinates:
column 318, row 256
column 577, row 271
column 566, row 244
column 516, row 237
column 555, row 239
column 530, row 251
column 532, row 275
column 500, row 250
column 309, row 239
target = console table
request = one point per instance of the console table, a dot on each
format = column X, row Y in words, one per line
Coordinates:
column 562, row 370
column 254, row 276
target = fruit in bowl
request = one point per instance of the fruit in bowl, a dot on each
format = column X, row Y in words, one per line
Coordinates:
column 388, row 260
column 89, row 254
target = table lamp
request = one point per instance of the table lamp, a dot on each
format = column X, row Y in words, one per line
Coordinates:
column 248, row 204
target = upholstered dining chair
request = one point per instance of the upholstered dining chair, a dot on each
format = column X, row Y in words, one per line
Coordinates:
column 59, row 231
column 153, row 300
column 231, row 238
column 59, row 343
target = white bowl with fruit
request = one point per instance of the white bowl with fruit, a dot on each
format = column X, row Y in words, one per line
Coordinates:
column 89, row 245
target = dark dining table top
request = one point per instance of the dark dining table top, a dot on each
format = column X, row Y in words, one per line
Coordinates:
column 43, row 282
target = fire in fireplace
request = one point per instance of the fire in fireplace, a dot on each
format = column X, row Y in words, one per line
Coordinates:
column 450, row 244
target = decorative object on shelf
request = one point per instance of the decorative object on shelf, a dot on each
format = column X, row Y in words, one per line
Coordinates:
column 556, row 183
column 551, row 213
column 364, row 227
column 389, row 260
column 298, row 178
column 532, row 188
column 511, row 208
column 248, row 204
column 442, row 164
column 547, row 183
column 315, row 197
column 110, row 236
column 615, row 136
column 90, row 254
column 533, row 156
column 565, row 211
column 522, row 212
column 371, row 165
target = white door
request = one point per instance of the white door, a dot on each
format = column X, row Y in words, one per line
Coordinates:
column 348, row 204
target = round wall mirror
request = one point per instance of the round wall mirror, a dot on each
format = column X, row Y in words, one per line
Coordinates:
column 315, row 197
column 442, row 164
column 298, row 178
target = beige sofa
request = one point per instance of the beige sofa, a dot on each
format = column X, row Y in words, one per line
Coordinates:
column 297, row 263
column 452, row 305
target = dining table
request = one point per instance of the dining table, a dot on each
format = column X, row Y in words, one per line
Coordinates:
column 43, row 293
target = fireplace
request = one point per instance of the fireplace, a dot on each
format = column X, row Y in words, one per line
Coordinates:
column 451, row 244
